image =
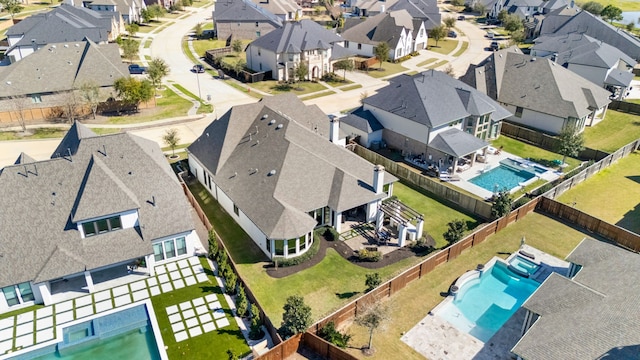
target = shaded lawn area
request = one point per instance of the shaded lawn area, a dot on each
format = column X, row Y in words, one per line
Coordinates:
column 612, row 195
column 298, row 88
column 39, row 133
column 445, row 45
column 388, row 69
column 536, row 154
column 168, row 106
column 436, row 214
column 420, row 296
column 212, row 345
column 346, row 280
column 615, row 131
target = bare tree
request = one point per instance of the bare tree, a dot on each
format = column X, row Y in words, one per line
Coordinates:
column 19, row 104
column 450, row 71
column 90, row 93
column 374, row 316
column 71, row 105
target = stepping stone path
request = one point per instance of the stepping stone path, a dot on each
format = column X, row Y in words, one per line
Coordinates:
column 35, row 327
column 196, row 317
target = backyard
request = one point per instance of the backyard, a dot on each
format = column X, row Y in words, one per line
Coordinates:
column 615, row 131
column 414, row 302
column 533, row 153
column 617, row 186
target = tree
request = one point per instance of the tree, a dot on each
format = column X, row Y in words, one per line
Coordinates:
column 381, row 52
column 90, row 93
column 296, row 317
column 611, row 13
column 593, row 7
column 156, row 11
column 630, row 26
column 456, row 231
column 19, row 105
column 236, row 45
column 231, row 279
column 345, row 65
column 70, row 104
column 129, row 49
column 438, row 33
column 133, row 91
column 363, row 95
column 501, row 204
column 239, row 66
column 512, row 23
column 480, row 8
column 241, row 301
column 372, row 316
column 146, row 15
column 255, row 332
column 457, row 2
column 213, row 245
column 198, row 30
column 132, row 29
column 171, row 139
column 301, row 71
column 450, row 71
column 502, row 15
column 13, row 7
column 449, row 22
column 156, row 71
column 517, row 37
column 571, row 142
column 373, row 281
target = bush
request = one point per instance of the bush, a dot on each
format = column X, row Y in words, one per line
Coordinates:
column 369, row 256
column 302, row 258
column 213, row 245
column 456, row 231
column 373, row 281
column 242, row 305
column 328, row 233
column 521, row 201
column 231, row 279
column 331, row 77
column 423, row 245
column 329, row 333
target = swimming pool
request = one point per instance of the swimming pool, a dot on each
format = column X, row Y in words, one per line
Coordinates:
column 501, row 178
column 524, row 265
column 483, row 304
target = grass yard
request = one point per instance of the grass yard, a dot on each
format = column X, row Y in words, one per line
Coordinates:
column 351, row 87
column 463, row 48
column 611, row 195
column 213, row 345
column 625, row 5
column 387, row 70
column 168, row 106
column 241, row 87
column 202, row 45
column 437, row 65
column 420, row 296
column 436, row 214
column 445, row 46
column 105, row 131
column 536, row 154
column 204, row 107
column 318, row 95
column 299, row 88
column 427, row 62
column 39, row 133
column 615, row 131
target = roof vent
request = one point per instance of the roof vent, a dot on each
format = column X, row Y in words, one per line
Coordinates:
column 279, row 126
column 207, row 134
column 68, row 62
column 8, row 82
column 77, row 45
column 272, row 172
column 53, row 46
column 66, row 45
column 265, row 116
column 533, row 59
column 273, row 121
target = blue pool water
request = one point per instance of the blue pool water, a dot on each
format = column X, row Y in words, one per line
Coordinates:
column 524, row 265
column 501, row 178
column 484, row 304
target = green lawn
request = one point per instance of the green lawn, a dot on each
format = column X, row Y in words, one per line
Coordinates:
column 526, row 151
column 351, row 87
column 151, row 26
column 414, row 302
column 168, row 106
column 105, row 131
column 213, row 345
column 239, row 86
column 40, row 133
column 427, row 62
column 437, row 65
column 615, row 131
column 436, row 214
column 387, row 70
column 299, row 88
column 611, row 195
column 445, row 46
column 625, row 5
column 463, row 48
column 204, row 107
column 317, row 95
column 201, row 46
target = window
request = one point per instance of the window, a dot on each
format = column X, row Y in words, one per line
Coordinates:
column 102, row 226
column 359, row 46
column 18, row 294
column 158, row 253
column 169, row 249
column 346, row 44
column 36, row 98
column 257, row 24
column 236, row 210
column 11, row 295
column 181, row 246
column 518, row 112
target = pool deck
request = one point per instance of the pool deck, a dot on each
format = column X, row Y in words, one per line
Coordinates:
column 437, row 339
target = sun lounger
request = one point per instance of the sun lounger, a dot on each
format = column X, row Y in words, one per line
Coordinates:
column 527, row 254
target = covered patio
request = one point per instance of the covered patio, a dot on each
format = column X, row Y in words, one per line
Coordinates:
column 460, row 149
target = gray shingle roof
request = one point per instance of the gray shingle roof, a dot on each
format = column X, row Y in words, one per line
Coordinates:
column 384, row 27
column 457, row 142
column 538, row 84
column 591, row 315
column 425, row 10
column 62, row 67
column 23, row 159
column 433, row 99
column 242, row 147
column 582, row 49
column 300, row 35
column 279, row 7
column 362, row 120
column 243, row 10
column 39, row 239
column 619, row 78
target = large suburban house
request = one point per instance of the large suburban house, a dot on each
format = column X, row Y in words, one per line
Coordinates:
column 52, row 77
column 425, row 10
column 568, row 22
column 65, row 23
column 279, row 169
column 398, row 29
column 540, row 93
column 592, row 59
column 430, row 115
column 129, row 9
column 242, row 19
column 524, row 9
column 286, row 10
column 282, row 50
column 591, row 314
column 100, row 203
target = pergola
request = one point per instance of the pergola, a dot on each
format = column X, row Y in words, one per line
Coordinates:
column 402, row 215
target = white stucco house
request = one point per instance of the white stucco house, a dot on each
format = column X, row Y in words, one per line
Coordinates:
column 101, row 203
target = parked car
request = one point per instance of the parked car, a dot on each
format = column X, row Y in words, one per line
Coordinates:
column 495, row 46
column 452, row 34
column 198, row 69
column 491, row 34
column 462, row 18
column 136, row 69
column 493, row 22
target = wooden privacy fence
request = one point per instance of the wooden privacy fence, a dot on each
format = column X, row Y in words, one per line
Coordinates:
column 469, row 203
column 624, row 106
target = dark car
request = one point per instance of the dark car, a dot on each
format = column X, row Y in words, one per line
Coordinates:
column 462, row 18
column 198, row 69
column 136, row 69
column 495, row 46
column 452, row 34
column 493, row 22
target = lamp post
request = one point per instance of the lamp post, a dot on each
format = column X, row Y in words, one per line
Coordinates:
column 198, row 81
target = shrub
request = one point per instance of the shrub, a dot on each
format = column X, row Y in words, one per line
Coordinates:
column 329, row 333
column 331, row 77
column 256, row 329
column 369, row 256
column 241, row 301
column 456, row 231
column 213, row 245
column 331, row 234
column 231, row 280
column 315, row 246
column 373, row 281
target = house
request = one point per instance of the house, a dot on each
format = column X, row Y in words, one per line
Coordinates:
column 591, row 313
column 65, row 23
column 101, row 203
column 592, row 59
column 129, row 9
column 398, row 29
column 432, row 115
column 539, row 92
column 51, row 78
column 282, row 50
column 425, row 10
column 362, row 127
column 242, row 19
column 286, row 10
column 586, row 23
column 278, row 169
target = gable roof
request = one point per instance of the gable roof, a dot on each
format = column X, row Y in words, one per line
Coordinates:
column 541, row 85
column 23, row 158
column 433, row 98
column 295, row 37
column 385, row 27
column 62, row 67
column 48, row 195
column 581, row 49
column 593, row 315
column 363, row 120
column 273, row 159
column 456, row 142
column 425, row 10
column 243, row 10
column 279, row 7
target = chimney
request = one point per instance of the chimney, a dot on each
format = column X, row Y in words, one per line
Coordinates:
column 334, row 130
column 378, row 178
